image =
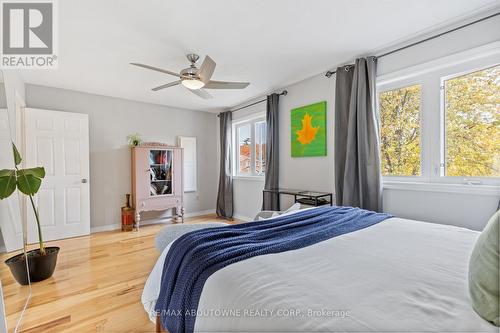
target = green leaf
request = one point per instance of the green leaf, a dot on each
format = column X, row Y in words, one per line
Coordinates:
column 27, row 182
column 7, row 173
column 37, row 172
column 17, row 156
column 7, row 183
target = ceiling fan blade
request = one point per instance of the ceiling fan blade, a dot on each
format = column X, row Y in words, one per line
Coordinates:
column 207, row 69
column 163, row 86
column 155, row 69
column 201, row 93
column 226, row 85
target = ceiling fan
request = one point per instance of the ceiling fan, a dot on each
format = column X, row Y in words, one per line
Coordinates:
column 195, row 79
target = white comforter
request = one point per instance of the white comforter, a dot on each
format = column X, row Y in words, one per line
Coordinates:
column 398, row 275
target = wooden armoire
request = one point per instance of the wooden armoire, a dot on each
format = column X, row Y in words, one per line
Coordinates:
column 157, row 180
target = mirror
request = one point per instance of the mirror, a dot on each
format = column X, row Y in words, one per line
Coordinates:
column 15, row 296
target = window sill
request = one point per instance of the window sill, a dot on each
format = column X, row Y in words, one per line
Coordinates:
column 251, row 178
column 490, row 190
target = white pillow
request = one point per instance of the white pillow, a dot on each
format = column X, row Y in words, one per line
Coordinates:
column 274, row 214
column 295, row 207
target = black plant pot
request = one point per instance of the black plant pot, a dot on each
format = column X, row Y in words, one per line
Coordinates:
column 40, row 267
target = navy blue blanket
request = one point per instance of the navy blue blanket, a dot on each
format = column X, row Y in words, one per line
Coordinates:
column 195, row 256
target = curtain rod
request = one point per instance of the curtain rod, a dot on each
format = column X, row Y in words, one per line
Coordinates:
column 283, row 93
column 330, row 73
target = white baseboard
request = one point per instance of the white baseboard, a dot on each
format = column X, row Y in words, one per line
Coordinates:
column 164, row 220
column 200, row 213
column 243, row 218
column 108, row 227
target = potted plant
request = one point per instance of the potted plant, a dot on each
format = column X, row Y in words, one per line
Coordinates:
column 41, row 261
column 134, row 140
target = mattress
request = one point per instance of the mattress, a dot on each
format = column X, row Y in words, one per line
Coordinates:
column 396, row 276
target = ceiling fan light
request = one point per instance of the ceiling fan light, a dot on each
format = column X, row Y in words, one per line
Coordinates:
column 192, row 84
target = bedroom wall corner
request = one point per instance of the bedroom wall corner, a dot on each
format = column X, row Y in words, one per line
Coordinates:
column 309, row 173
column 111, row 120
column 466, row 209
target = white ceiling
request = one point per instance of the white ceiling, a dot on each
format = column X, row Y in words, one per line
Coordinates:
column 268, row 43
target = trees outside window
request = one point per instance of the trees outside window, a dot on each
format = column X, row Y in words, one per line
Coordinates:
column 440, row 123
column 400, row 131
column 472, row 124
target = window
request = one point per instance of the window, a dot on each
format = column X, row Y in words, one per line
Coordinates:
column 250, row 143
column 244, row 149
column 472, row 124
column 400, row 131
column 440, row 123
column 260, row 147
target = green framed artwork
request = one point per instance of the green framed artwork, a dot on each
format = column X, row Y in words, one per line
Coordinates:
column 308, row 127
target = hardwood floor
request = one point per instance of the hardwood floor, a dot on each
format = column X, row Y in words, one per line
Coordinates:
column 96, row 287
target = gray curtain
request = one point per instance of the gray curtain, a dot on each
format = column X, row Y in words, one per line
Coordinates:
column 356, row 141
column 225, row 193
column 271, row 200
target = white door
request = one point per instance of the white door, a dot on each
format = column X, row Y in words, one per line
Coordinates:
column 190, row 169
column 59, row 141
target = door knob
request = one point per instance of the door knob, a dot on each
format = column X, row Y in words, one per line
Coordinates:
column 84, row 180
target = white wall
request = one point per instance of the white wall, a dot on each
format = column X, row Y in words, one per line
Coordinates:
column 247, row 198
column 462, row 209
column 309, row 173
column 466, row 209
column 316, row 173
column 472, row 36
column 111, row 120
column 14, row 89
column 246, row 191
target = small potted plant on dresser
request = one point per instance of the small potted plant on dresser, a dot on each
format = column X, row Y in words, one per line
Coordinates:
column 41, row 261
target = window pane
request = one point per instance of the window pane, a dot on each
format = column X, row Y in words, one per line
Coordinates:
column 260, row 147
column 472, row 113
column 244, row 144
column 400, row 131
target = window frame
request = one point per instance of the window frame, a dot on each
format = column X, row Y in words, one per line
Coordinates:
column 442, row 177
column 261, row 173
column 431, row 76
column 236, row 124
column 395, row 86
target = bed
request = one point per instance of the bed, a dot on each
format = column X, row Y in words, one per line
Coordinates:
column 396, row 276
